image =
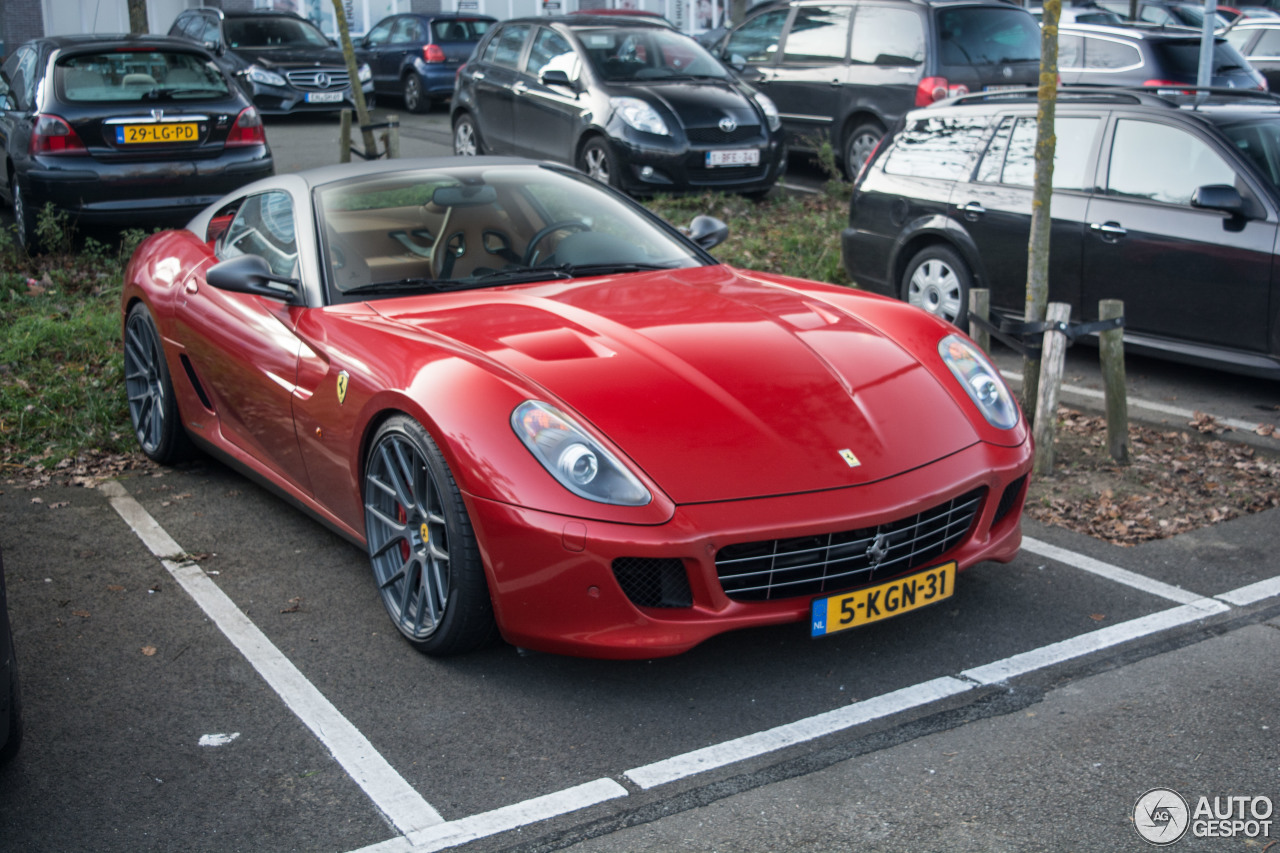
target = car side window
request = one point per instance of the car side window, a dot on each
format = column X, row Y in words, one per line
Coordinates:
column 264, row 226
column 406, row 30
column 1010, row 158
column 819, row 34
column 887, row 36
column 1268, row 47
column 1070, row 52
column 756, row 41
column 552, row 52
column 936, row 147
column 1159, row 162
column 380, row 35
column 1110, row 55
column 505, row 47
column 22, row 77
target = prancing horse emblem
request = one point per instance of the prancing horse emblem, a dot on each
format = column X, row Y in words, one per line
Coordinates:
column 878, row 550
column 849, row 459
column 343, row 377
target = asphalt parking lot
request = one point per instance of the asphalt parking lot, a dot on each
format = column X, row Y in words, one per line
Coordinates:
column 207, row 669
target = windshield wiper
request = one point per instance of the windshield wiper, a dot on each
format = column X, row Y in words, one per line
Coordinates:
column 403, row 285
column 576, row 270
column 445, row 285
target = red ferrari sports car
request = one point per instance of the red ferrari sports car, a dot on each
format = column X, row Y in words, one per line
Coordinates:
column 549, row 415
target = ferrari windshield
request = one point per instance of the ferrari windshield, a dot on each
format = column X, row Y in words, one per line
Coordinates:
column 431, row 230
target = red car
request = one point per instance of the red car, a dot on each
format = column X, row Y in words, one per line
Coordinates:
column 549, row 415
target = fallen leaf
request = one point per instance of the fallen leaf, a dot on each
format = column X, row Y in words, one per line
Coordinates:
column 295, row 604
column 149, row 651
column 1097, row 617
column 114, row 587
column 83, row 614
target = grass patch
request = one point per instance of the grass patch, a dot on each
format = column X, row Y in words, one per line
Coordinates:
column 61, row 358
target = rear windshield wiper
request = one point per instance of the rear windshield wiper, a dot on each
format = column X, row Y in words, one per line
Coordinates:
column 168, row 93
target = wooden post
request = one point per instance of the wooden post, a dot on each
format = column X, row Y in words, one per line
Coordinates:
column 344, row 138
column 1111, row 355
column 1052, row 359
column 980, row 306
column 391, row 137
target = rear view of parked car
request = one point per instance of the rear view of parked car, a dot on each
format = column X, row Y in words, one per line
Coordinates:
column 416, row 57
column 1258, row 40
column 285, row 63
column 1171, row 205
column 633, row 103
column 1143, row 55
column 843, row 71
column 114, row 129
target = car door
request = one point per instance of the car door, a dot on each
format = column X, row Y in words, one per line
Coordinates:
column 1183, row 272
column 20, row 74
column 494, row 83
column 808, row 80
column 995, row 207
column 383, row 57
column 887, row 57
column 241, row 347
column 548, row 113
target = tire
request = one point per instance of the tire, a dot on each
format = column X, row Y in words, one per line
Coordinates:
column 597, row 161
column 153, row 407
column 415, row 97
column 466, row 137
column 938, row 280
column 858, row 146
column 422, row 547
column 25, row 212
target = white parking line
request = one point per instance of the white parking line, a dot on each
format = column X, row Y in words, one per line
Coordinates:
column 403, row 806
column 422, row 828
column 1138, row 403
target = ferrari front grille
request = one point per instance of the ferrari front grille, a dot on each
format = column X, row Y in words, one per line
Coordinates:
column 809, row 565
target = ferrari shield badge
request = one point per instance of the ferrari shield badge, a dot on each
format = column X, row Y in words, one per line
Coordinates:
column 850, row 460
column 343, row 377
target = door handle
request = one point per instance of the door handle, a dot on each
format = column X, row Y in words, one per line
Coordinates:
column 972, row 210
column 520, row 88
column 1108, row 229
column 478, row 75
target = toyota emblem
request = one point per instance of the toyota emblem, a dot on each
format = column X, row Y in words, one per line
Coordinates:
column 728, row 124
column 322, row 80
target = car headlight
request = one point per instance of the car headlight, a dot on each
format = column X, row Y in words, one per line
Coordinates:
column 574, row 458
column 982, row 381
column 640, row 115
column 365, row 73
column 258, row 74
column 770, row 110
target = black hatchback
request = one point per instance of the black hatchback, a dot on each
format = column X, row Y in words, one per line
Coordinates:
column 842, row 71
column 634, row 104
column 1160, row 200
column 123, row 128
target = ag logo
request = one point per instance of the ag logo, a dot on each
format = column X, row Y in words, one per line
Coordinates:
column 850, row 460
column 1161, row 816
column 343, row 378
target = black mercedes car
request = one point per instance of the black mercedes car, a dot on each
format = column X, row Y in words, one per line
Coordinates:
column 633, row 103
column 283, row 60
column 112, row 128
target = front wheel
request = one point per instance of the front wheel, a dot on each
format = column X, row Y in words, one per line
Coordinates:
column 597, row 160
column 466, row 137
column 421, row 544
column 938, row 280
column 153, row 407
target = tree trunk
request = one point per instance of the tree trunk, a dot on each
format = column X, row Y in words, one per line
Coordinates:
column 353, row 71
column 1038, row 244
column 138, row 16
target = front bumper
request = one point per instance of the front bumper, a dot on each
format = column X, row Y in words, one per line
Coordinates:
column 649, row 167
column 286, row 100
column 553, row 581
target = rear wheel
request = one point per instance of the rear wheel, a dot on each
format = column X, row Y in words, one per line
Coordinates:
column 466, row 137
column 415, row 98
column 153, row 407
column 938, row 280
column 24, row 215
column 421, row 544
column 858, row 146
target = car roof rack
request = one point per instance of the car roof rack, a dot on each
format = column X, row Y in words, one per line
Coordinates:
column 1171, row 96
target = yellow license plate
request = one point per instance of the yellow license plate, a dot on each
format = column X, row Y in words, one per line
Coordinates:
column 131, row 134
column 864, row 606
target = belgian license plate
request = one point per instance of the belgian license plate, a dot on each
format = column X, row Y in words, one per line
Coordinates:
column 733, row 157
column 324, row 97
column 864, row 606
column 131, row 134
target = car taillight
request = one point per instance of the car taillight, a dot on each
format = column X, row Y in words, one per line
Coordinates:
column 1171, row 84
column 934, row 89
column 52, row 135
column 432, row 53
column 247, row 130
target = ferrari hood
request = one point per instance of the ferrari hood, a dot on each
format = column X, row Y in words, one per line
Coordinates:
column 717, row 385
